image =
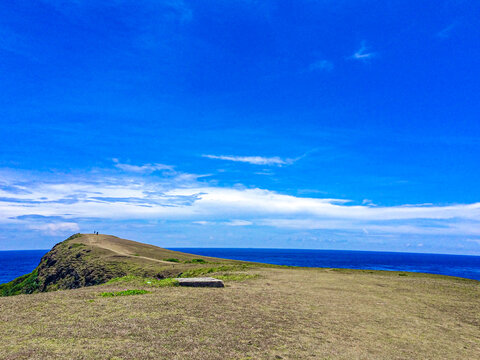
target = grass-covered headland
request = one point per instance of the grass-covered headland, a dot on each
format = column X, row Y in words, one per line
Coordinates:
column 87, row 259
column 125, row 304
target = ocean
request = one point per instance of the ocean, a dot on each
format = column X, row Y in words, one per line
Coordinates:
column 17, row 263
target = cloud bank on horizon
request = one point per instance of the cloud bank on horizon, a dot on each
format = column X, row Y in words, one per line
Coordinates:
column 56, row 204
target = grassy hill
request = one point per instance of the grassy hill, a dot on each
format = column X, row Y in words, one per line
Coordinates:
column 88, row 259
column 264, row 312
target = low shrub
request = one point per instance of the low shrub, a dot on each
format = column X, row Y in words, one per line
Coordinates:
column 172, row 260
column 195, row 261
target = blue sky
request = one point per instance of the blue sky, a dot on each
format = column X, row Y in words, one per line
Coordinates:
column 289, row 124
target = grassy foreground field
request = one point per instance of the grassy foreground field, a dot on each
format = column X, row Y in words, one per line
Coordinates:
column 137, row 311
column 280, row 313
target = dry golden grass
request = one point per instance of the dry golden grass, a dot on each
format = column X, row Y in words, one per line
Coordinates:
column 281, row 313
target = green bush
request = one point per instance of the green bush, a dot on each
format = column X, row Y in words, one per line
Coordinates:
column 196, row 261
column 172, row 260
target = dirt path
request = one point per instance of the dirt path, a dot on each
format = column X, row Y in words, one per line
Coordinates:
column 109, row 243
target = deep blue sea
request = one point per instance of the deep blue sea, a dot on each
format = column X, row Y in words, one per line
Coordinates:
column 16, row 263
column 453, row 265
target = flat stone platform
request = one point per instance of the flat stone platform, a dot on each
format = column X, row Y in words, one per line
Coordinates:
column 200, row 282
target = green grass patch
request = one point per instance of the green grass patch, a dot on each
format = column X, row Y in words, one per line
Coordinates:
column 236, row 277
column 195, row 261
column 161, row 283
column 25, row 284
column 123, row 279
column 205, row 270
column 74, row 236
column 172, row 260
column 76, row 245
column 142, row 281
column 124, row 293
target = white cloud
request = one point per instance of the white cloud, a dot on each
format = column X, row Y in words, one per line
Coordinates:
column 56, row 228
column 321, row 65
column 362, row 53
column 238, row 223
column 136, row 196
column 255, row 160
column 447, row 31
column 228, row 223
column 146, row 168
column 200, row 222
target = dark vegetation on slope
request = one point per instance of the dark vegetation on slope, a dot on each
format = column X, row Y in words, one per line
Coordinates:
column 25, row 284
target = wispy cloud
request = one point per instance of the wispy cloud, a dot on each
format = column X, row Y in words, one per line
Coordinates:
column 143, row 169
column 227, row 223
column 181, row 9
column 255, row 160
column 56, row 228
column 363, row 53
column 146, row 24
column 238, row 223
column 321, row 65
column 446, row 32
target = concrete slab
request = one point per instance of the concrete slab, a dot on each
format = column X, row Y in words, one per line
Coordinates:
column 200, row 282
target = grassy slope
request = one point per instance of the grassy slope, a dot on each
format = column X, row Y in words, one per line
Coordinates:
column 289, row 313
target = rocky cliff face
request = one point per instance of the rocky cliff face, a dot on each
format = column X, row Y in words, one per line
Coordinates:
column 72, row 265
